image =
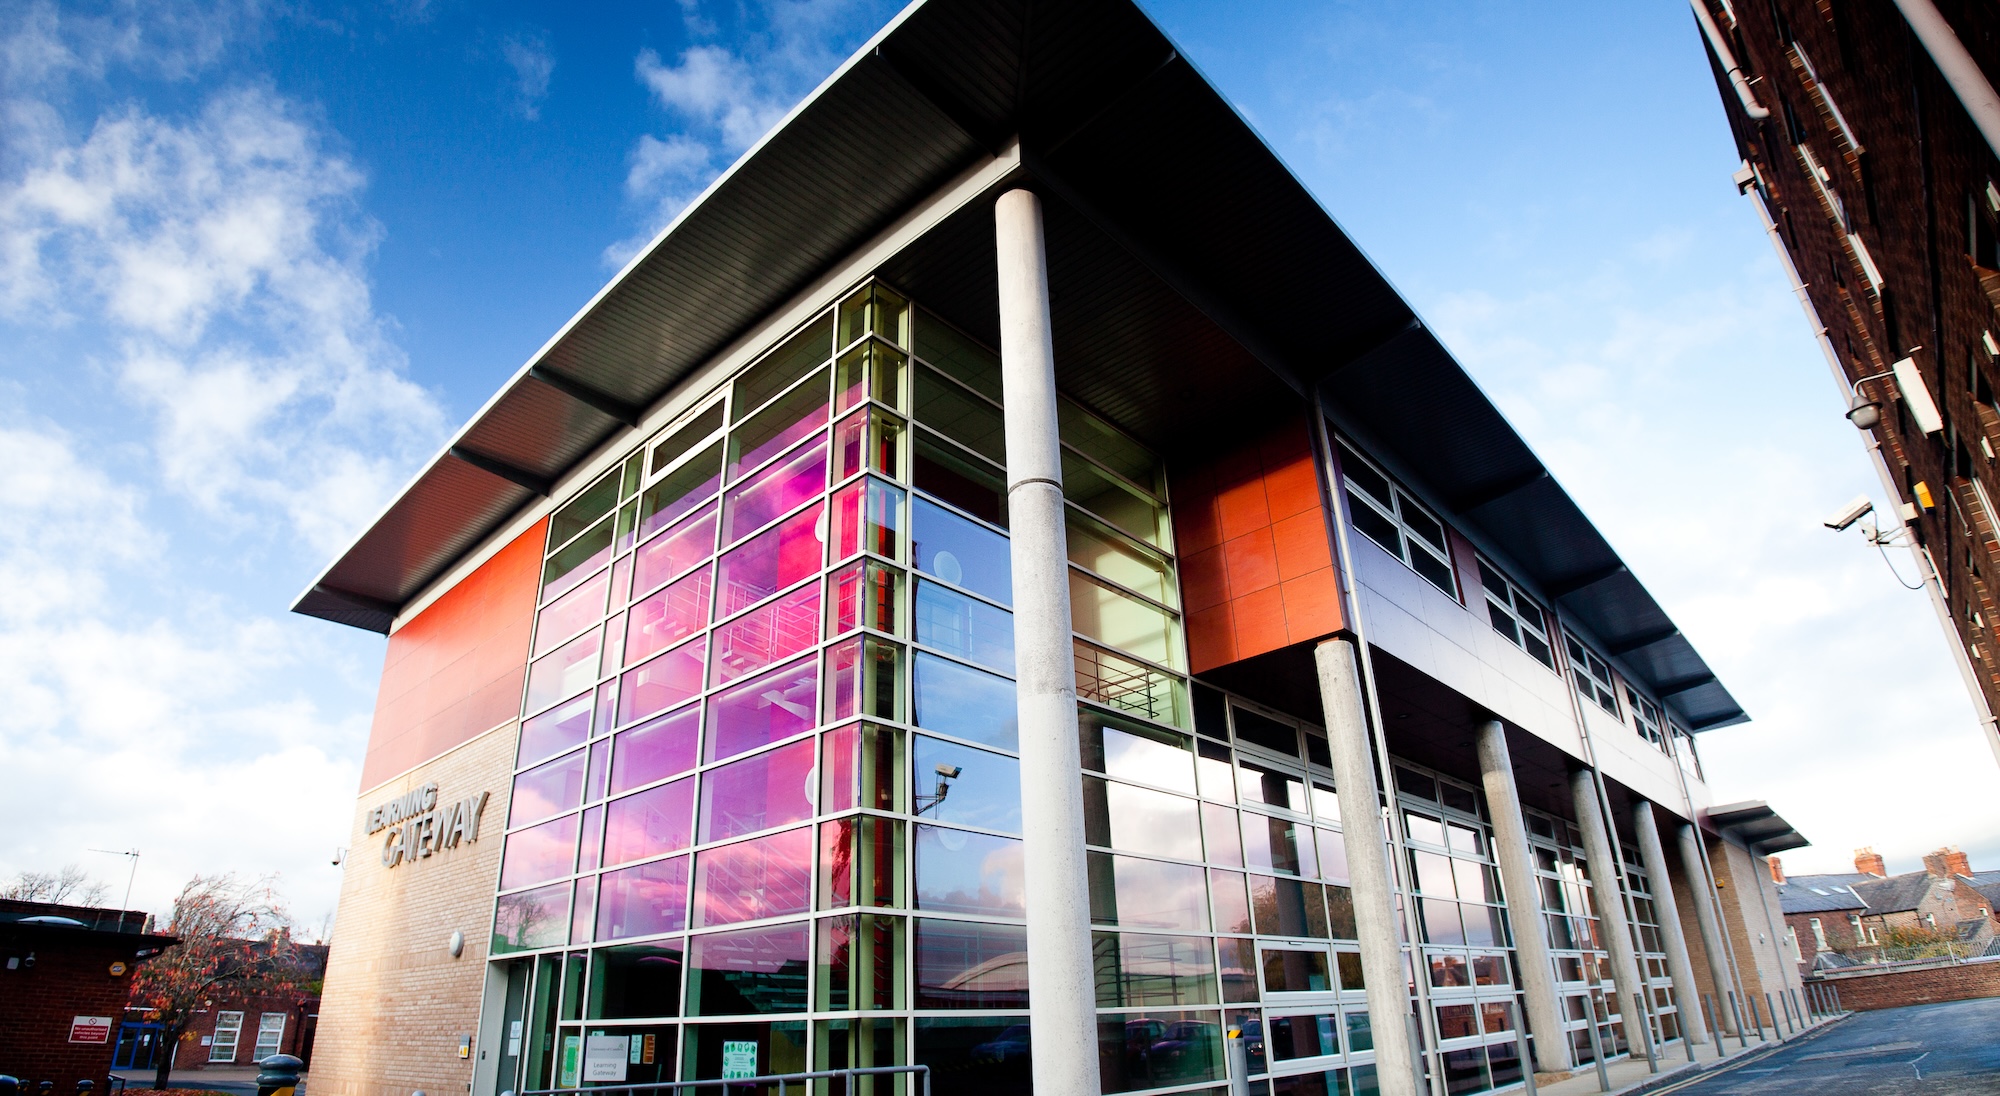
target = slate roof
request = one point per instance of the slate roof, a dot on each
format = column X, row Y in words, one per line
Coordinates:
column 1896, row 893
column 1808, row 894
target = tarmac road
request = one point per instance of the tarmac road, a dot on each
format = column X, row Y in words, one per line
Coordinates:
column 1952, row 1049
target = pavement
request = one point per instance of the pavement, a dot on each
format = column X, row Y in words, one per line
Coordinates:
column 1950, row 1049
column 235, row 1080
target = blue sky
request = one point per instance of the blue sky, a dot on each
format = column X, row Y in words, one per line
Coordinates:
column 257, row 261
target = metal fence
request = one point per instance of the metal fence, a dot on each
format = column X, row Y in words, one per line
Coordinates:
column 786, row 1082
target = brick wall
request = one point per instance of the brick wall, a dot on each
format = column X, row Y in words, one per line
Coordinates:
column 296, row 1008
column 68, row 979
column 396, row 1003
column 1915, row 983
column 1747, row 890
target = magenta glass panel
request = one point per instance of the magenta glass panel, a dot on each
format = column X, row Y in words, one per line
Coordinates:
column 600, row 757
column 668, row 617
column 570, row 670
column 568, row 614
column 643, row 900
column 663, row 682
column 654, row 821
column 675, row 551
column 556, row 729
column 543, row 852
column 760, row 637
column 607, row 706
column 546, row 789
column 763, row 877
column 655, row 750
column 621, row 582
column 763, row 709
column 680, row 491
column 758, row 793
column 788, row 420
column 789, row 483
column 750, row 972
column 582, row 911
column 769, row 562
column 593, row 839
column 614, row 642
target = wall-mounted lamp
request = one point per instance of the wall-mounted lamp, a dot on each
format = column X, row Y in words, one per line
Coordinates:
column 1866, row 413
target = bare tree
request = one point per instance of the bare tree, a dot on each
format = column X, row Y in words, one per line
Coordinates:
column 69, row 885
column 235, row 937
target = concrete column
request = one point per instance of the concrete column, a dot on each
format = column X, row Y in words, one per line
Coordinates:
column 1061, row 988
column 1666, row 909
column 1711, row 928
column 1524, row 898
column 1606, row 893
column 1367, row 864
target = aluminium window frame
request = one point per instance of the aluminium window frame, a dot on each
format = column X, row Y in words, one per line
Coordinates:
column 1583, row 664
column 1392, row 510
column 1489, row 570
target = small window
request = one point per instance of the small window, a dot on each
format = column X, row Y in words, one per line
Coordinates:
column 1592, row 674
column 1646, row 718
column 228, row 1027
column 1387, row 515
column 1819, row 934
column 1515, row 615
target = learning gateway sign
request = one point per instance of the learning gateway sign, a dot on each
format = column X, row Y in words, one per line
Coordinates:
column 418, row 826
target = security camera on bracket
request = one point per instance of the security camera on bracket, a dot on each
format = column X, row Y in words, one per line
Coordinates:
column 1856, row 509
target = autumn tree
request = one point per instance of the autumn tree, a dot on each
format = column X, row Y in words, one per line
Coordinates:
column 68, row 885
column 235, row 937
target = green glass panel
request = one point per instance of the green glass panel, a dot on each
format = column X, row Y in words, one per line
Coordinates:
column 687, row 437
column 960, row 416
column 800, row 354
column 1120, row 620
column 958, row 355
column 1114, row 501
column 577, row 514
column 1098, row 547
column 1096, row 439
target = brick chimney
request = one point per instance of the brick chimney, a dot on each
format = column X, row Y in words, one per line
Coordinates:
column 1777, row 870
column 1868, row 862
column 1946, row 862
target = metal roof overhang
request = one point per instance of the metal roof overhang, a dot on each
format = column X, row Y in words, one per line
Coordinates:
column 1755, row 826
column 1192, row 278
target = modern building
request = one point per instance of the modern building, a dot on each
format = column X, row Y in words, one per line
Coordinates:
column 65, row 977
column 1003, row 545
column 1868, row 131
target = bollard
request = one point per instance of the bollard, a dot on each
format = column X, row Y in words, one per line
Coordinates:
column 1520, row 1048
column 1798, row 996
column 1769, row 1007
column 84, row 1086
column 1239, row 1063
column 1645, row 1031
column 1714, row 1017
column 9, row 1086
column 44, row 1088
column 278, row 1075
column 1687, row 1038
column 1837, row 1006
column 1742, row 1032
column 1597, row 1047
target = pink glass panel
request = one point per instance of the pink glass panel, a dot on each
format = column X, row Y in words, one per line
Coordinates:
column 758, row 793
column 654, row 821
column 614, row 642
column 781, row 487
column 607, row 706
column 761, row 710
column 546, row 790
column 763, row 877
column 581, row 913
column 769, row 562
column 675, row 551
column 668, row 617
column 600, row 758
column 680, row 491
column 643, row 900
column 663, row 682
column 568, row 614
column 542, row 852
column 805, row 406
column 656, row 750
column 593, row 838
column 556, row 729
column 621, row 582
column 570, row 670
column 838, row 787
column 760, row 637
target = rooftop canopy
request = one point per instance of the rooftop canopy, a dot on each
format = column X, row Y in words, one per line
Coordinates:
column 1193, row 279
column 1755, row 826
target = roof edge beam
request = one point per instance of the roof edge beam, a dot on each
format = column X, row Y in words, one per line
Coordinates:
column 1473, row 500
column 1714, row 720
column 520, row 477
column 1642, row 641
column 1666, row 689
column 595, row 399
column 943, row 102
column 1560, row 590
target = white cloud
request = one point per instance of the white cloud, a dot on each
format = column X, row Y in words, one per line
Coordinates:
column 533, row 64
column 713, row 88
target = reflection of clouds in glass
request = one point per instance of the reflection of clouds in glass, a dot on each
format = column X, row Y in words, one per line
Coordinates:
column 965, row 703
column 1153, row 822
column 977, row 556
column 1147, row 760
column 982, row 875
column 986, row 793
column 1151, row 894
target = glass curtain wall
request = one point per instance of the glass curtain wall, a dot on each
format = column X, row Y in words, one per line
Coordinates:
column 766, row 809
column 1583, row 968
column 1651, row 946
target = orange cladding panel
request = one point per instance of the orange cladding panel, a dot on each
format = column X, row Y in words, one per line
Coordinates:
column 455, row 670
column 1255, row 562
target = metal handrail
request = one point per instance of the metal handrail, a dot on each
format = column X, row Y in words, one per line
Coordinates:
column 782, row 1080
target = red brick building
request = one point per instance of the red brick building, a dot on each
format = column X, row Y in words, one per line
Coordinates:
column 236, row 1031
column 1882, row 193
column 1839, row 920
column 65, row 976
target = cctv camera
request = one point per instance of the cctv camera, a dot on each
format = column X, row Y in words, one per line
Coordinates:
column 1850, row 513
column 949, row 772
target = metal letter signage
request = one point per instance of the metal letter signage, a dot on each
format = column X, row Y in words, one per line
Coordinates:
column 419, row 826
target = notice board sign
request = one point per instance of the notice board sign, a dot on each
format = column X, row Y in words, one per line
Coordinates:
column 90, row 1029
column 604, row 1057
column 739, row 1060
